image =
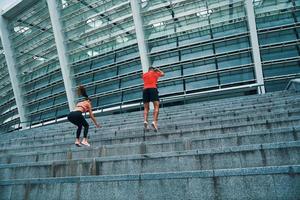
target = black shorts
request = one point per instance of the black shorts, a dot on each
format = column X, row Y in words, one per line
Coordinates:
column 150, row 94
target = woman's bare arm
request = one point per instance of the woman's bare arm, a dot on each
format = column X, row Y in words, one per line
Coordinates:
column 93, row 117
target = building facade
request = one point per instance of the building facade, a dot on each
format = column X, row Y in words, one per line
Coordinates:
column 49, row 47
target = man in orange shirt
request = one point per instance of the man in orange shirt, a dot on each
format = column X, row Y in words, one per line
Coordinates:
column 150, row 93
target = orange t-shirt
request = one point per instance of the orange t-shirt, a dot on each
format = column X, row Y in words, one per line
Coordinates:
column 85, row 105
column 150, row 79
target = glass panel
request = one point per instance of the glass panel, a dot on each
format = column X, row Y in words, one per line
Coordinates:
column 277, row 37
column 201, row 82
column 110, row 99
column 236, row 76
column 129, row 67
column 164, row 59
column 108, row 87
column 8, row 107
column 232, row 45
column 281, row 69
column 134, row 94
column 170, row 87
column 234, row 60
column 36, row 57
column 199, row 67
column 131, row 81
column 276, row 21
column 192, row 38
column 101, row 42
column 63, row 111
column 281, row 52
column 196, row 52
column 276, row 85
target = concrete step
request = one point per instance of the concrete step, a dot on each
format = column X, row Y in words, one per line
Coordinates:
column 161, row 145
column 110, row 120
column 129, row 122
column 267, row 183
column 273, row 154
column 113, row 118
column 226, row 126
column 291, row 111
column 235, row 152
column 220, row 104
column 275, row 113
column 203, row 107
column 171, row 111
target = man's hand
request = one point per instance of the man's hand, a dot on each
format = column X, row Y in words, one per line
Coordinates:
column 158, row 70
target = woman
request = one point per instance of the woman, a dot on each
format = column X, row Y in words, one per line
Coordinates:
column 78, row 119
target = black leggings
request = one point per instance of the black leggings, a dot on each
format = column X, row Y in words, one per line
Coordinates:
column 76, row 117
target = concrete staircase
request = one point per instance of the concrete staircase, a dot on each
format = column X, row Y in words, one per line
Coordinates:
column 236, row 148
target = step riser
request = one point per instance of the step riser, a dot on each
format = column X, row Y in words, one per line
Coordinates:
column 186, row 144
column 267, row 187
column 252, row 183
column 238, row 159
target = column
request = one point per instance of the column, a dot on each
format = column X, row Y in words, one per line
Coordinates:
column 255, row 45
column 138, row 23
column 12, row 70
column 62, row 53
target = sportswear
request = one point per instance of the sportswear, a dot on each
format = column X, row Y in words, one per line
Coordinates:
column 85, row 105
column 150, row 95
column 150, row 79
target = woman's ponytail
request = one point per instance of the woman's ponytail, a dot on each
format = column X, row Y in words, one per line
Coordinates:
column 82, row 92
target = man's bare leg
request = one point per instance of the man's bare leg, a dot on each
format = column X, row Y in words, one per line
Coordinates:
column 146, row 112
column 155, row 113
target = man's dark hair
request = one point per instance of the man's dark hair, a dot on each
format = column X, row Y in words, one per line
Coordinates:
column 151, row 68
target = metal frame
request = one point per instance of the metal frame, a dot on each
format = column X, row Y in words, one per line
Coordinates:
column 255, row 46
column 143, row 48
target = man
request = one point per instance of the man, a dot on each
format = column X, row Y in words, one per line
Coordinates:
column 150, row 93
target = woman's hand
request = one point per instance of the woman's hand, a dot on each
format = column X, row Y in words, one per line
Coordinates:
column 98, row 125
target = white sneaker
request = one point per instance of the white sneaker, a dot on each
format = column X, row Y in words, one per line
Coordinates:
column 85, row 144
